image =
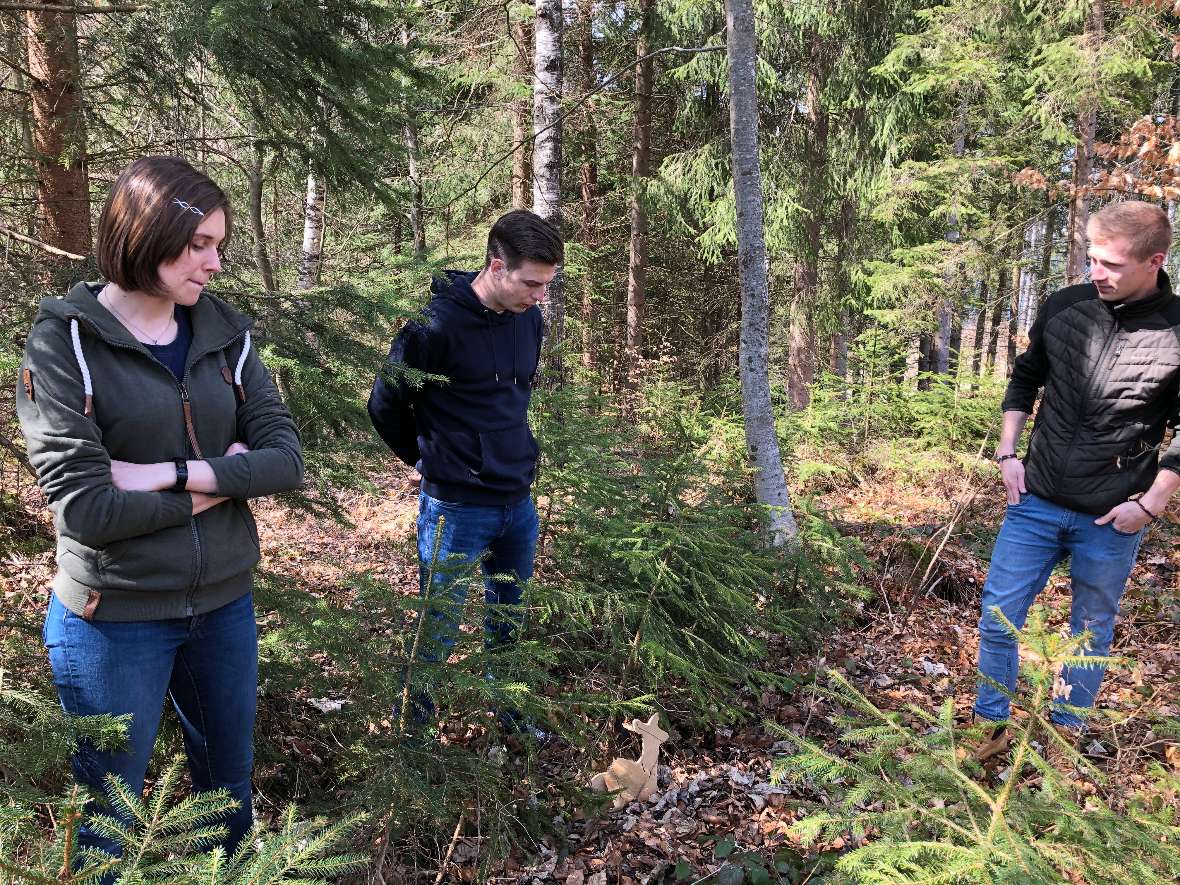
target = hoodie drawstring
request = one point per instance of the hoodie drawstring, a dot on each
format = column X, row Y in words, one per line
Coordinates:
column 241, row 391
column 87, row 386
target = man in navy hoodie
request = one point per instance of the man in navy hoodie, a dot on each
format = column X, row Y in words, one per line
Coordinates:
column 469, row 436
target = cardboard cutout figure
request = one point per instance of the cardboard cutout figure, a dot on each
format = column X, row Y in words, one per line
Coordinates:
column 636, row 779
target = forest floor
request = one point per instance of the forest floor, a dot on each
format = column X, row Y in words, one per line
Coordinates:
column 717, row 802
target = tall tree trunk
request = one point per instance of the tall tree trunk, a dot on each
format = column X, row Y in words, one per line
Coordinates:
column 547, row 86
column 955, row 347
column 59, row 130
column 522, row 126
column 980, row 325
column 770, row 482
column 1013, row 322
column 254, row 179
column 413, row 161
column 993, row 338
column 588, row 172
column 801, row 357
column 312, row 253
column 640, row 165
column 941, row 361
column 1046, row 259
column 838, row 355
column 1079, row 207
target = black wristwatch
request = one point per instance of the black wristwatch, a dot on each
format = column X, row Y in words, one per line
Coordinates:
column 181, row 483
column 1000, row 459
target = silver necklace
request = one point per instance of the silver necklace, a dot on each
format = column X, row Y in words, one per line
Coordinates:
column 126, row 322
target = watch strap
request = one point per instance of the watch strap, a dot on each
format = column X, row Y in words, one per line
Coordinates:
column 181, row 483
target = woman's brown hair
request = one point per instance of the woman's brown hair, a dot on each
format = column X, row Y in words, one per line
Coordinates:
column 149, row 219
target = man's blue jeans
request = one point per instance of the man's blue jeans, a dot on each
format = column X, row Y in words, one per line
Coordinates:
column 1035, row 537
column 508, row 535
column 206, row 665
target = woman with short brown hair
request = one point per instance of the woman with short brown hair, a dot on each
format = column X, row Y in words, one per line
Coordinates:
column 150, row 421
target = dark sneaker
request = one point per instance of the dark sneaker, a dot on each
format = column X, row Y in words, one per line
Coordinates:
column 513, row 723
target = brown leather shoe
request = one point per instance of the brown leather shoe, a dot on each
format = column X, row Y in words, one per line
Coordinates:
column 992, row 744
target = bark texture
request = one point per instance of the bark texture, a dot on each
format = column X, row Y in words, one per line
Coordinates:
column 254, row 179
column 522, row 107
column 1079, row 207
column 59, row 130
column 770, row 482
column 588, row 171
column 312, row 252
column 640, row 169
column 547, row 131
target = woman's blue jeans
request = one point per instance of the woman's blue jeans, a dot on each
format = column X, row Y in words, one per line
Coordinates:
column 1035, row 537
column 206, row 665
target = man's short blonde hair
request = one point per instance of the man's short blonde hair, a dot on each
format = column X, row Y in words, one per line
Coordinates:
column 1144, row 225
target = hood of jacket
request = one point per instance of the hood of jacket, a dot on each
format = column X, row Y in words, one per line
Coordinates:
column 215, row 323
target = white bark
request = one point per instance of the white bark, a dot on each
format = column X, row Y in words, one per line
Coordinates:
column 311, row 255
column 547, row 86
column 770, row 482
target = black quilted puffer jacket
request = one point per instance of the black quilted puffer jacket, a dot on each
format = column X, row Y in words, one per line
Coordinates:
column 1111, row 373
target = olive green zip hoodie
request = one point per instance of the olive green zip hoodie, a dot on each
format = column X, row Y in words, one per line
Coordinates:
column 88, row 393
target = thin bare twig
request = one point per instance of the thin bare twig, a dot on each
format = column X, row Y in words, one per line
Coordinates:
column 450, row 849
column 52, row 250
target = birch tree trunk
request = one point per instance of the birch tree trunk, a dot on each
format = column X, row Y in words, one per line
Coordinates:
column 59, row 130
column 1079, row 207
column 770, row 482
column 640, row 167
column 547, row 86
column 311, row 254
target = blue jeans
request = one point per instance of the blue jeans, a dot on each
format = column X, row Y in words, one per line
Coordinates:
column 507, row 533
column 508, row 536
column 207, row 665
column 1035, row 537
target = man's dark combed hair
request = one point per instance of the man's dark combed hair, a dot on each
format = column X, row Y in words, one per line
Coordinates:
column 141, row 226
column 524, row 236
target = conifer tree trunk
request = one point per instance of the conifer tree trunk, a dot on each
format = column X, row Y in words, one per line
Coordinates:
column 640, row 166
column 993, row 338
column 547, row 86
column 1046, row 260
column 1079, row 208
column 954, row 348
column 980, row 324
column 522, row 123
column 770, row 482
column 1013, row 323
column 59, row 129
column 254, row 180
column 801, row 357
column 940, row 362
column 311, row 254
column 413, row 161
column 588, row 172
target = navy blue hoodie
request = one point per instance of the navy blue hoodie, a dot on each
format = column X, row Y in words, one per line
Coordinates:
column 469, row 436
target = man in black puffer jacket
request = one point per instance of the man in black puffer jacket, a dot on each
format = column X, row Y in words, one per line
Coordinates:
column 465, row 428
column 1107, row 354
